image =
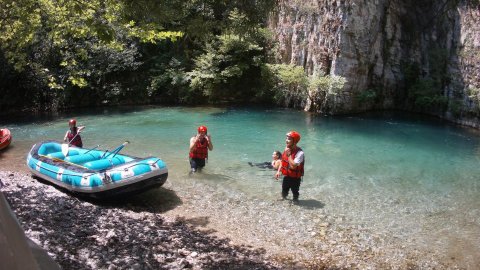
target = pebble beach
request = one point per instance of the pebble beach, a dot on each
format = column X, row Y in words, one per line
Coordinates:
column 197, row 226
column 84, row 235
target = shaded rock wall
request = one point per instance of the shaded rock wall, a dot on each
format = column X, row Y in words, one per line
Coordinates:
column 372, row 42
column 465, row 66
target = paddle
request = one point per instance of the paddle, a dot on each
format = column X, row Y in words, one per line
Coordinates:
column 116, row 150
column 65, row 145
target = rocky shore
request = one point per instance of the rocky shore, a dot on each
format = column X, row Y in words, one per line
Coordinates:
column 127, row 235
column 194, row 223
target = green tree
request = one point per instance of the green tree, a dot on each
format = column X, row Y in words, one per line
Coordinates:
column 225, row 70
column 67, row 31
column 290, row 83
column 294, row 88
column 322, row 89
column 115, row 51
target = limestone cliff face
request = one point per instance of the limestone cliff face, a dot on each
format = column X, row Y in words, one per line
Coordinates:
column 387, row 49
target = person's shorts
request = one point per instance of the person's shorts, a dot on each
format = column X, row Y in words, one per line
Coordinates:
column 196, row 163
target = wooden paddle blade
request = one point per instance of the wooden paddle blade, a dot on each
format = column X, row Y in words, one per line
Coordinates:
column 65, row 149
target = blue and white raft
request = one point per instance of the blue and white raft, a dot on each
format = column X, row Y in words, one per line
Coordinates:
column 95, row 173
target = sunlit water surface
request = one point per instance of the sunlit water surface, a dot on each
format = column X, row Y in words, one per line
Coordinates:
column 401, row 175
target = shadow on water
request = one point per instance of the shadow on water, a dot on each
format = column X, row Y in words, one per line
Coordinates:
column 198, row 223
column 311, row 204
column 308, row 204
column 266, row 165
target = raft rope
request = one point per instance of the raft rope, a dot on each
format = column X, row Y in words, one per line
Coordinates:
column 82, row 175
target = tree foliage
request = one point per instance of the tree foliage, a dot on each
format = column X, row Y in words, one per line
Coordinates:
column 290, row 82
column 297, row 89
column 426, row 95
column 84, row 53
column 425, row 89
column 65, row 35
column 225, row 70
column 322, row 89
column 223, row 49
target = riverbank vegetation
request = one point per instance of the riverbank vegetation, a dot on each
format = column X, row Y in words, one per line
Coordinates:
column 58, row 55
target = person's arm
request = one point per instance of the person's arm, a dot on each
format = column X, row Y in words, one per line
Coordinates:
column 293, row 163
column 210, row 145
column 278, row 173
column 278, row 164
column 298, row 159
column 193, row 141
column 65, row 139
column 290, row 160
column 279, row 169
column 275, row 163
column 80, row 128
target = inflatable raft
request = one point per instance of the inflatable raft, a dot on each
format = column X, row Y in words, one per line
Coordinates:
column 5, row 138
column 95, row 173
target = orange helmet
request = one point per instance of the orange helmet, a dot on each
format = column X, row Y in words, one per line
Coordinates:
column 294, row 135
column 72, row 122
column 202, row 129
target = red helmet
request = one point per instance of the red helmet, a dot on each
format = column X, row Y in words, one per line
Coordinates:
column 72, row 122
column 294, row 135
column 202, row 129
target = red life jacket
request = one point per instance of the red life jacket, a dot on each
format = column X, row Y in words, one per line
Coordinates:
column 286, row 170
column 77, row 141
column 200, row 150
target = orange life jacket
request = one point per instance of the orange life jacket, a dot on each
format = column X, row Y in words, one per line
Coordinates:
column 286, row 170
column 200, row 150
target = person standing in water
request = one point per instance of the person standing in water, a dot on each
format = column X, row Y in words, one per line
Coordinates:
column 73, row 134
column 292, row 166
column 199, row 147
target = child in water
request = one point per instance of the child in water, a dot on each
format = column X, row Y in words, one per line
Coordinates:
column 277, row 160
column 274, row 164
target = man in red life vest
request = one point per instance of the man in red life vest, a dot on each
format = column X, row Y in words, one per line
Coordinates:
column 73, row 134
column 199, row 147
column 293, row 161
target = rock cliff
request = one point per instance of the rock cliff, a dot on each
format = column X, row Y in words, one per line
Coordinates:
column 395, row 54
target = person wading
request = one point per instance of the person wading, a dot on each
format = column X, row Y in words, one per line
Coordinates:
column 293, row 161
column 199, row 147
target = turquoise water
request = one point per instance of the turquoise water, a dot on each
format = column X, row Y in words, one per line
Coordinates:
column 382, row 152
column 409, row 176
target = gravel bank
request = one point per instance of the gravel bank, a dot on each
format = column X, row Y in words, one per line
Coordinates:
column 132, row 235
column 195, row 223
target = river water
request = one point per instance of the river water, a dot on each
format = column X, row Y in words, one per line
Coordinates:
column 388, row 185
